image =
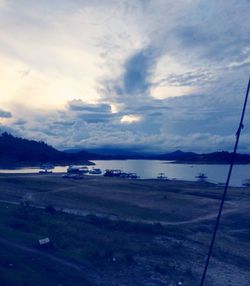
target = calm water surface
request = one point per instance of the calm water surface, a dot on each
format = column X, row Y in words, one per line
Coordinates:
column 148, row 169
column 151, row 168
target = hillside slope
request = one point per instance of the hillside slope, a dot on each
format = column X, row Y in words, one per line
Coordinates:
column 18, row 151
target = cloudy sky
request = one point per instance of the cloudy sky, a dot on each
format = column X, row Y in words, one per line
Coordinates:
column 150, row 74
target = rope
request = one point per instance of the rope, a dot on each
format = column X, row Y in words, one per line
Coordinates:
column 226, row 186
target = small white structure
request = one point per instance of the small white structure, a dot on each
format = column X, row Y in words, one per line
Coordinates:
column 44, row 241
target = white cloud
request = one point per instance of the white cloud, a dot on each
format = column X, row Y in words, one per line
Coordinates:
column 171, row 67
column 163, row 92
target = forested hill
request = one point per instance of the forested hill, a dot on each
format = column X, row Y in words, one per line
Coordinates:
column 222, row 157
column 18, row 151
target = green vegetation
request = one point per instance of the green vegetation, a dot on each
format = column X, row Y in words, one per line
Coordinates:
column 16, row 152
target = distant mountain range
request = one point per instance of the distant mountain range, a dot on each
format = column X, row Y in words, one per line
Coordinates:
column 16, row 151
column 178, row 156
column 116, row 153
column 222, row 157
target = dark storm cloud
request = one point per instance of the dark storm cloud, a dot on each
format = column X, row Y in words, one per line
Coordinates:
column 96, row 117
column 91, row 113
column 137, row 69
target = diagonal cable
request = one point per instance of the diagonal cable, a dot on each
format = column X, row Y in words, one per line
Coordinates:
column 226, row 186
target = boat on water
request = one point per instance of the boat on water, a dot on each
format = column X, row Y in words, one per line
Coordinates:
column 201, row 176
column 95, row 171
column 77, row 170
column 133, row 176
column 112, row 173
column 129, row 176
column 246, row 183
column 45, row 172
column 46, row 169
column 161, row 176
column 124, row 175
column 120, row 174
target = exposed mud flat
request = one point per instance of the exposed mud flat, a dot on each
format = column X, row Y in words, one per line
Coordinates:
column 129, row 232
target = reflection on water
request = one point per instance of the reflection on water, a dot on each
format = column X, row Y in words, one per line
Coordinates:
column 148, row 169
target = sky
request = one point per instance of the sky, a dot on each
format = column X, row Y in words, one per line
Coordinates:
column 150, row 75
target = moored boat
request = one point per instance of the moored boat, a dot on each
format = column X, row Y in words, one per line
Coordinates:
column 112, row 173
column 161, row 176
column 246, row 183
column 45, row 172
column 120, row 174
column 201, row 176
column 133, row 176
column 77, row 170
column 46, row 169
column 95, row 171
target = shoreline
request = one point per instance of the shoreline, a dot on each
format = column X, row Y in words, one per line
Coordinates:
column 91, row 163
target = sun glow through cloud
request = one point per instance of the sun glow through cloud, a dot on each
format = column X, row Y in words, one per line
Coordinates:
column 130, row 118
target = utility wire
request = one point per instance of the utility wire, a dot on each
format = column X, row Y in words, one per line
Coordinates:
column 226, row 186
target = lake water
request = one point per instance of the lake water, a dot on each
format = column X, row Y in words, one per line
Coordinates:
column 148, row 169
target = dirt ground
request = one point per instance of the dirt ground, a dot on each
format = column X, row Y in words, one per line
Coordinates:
column 122, row 232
